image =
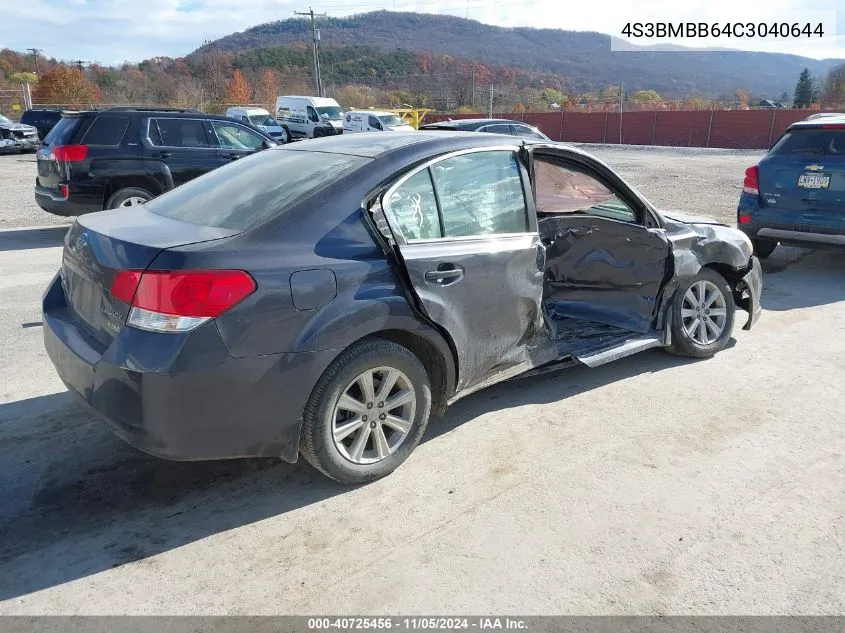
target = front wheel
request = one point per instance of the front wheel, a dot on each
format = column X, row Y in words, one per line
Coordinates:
column 367, row 412
column 128, row 197
column 702, row 316
column 763, row 248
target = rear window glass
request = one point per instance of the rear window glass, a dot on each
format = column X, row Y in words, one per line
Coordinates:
column 62, row 133
column 811, row 142
column 106, row 130
column 253, row 189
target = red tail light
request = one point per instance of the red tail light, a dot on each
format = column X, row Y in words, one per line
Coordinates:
column 834, row 126
column 744, row 219
column 178, row 301
column 751, row 184
column 70, row 153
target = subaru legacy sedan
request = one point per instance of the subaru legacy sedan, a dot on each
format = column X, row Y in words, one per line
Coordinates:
column 325, row 298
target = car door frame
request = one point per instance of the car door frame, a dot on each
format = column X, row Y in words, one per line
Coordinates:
column 161, row 153
column 226, row 154
column 647, row 219
column 526, row 353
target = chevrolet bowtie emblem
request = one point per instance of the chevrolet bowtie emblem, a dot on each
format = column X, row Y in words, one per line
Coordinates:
column 814, row 167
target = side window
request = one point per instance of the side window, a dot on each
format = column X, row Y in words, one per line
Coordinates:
column 374, row 123
column 480, row 194
column 178, row 133
column 106, row 130
column 564, row 190
column 312, row 114
column 524, row 130
column 233, row 136
column 413, row 207
column 499, row 128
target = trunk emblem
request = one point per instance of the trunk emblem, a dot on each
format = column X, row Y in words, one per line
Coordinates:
column 80, row 242
column 814, row 167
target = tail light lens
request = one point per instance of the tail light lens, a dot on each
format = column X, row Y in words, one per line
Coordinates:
column 70, row 153
column 744, row 219
column 751, row 184
column 179, row 301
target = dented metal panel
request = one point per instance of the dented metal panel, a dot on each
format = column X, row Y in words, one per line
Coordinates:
column 603, row 271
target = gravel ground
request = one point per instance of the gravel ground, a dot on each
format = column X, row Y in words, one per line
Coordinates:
column 703, row 181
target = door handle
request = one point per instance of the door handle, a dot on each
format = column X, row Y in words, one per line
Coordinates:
column 444, row 277
column 233, row 156
column 162, row 155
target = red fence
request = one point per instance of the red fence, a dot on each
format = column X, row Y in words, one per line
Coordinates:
column 731, row 129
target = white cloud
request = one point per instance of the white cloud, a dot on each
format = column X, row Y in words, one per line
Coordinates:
column 111, row 31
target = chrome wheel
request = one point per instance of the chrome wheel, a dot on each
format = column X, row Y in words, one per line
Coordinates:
column 132, row 201
column 374, row 415
column 704, row 312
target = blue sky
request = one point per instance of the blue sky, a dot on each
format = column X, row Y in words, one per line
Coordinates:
column 112, row 31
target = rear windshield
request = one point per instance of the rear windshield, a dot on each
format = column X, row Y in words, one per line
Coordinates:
column 253, row 189
column 62, row 133
column 811, row 142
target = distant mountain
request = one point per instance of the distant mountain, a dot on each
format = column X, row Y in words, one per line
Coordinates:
column 584, row 58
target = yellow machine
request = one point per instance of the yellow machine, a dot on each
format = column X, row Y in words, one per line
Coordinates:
column 412, row 116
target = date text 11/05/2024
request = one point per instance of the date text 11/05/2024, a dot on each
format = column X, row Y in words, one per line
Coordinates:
column 694, row 30
column 417, row 624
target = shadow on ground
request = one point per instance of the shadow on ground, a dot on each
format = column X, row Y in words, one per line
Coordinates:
column 801, row 278
column 24, row 239
column 75, row 500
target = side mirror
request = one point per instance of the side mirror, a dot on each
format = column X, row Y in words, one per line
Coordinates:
column 265, row 144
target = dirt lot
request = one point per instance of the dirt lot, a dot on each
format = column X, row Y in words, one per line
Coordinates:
column 654, row 485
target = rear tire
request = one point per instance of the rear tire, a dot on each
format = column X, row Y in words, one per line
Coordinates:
column 702, row 316
column 763, row 248
column 371, row 439
column 128, row 197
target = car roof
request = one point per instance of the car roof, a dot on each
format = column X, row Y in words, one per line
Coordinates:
column 470, row 124
column 373, row 112
column 834, row 118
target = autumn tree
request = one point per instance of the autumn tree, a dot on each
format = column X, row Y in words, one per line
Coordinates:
column 834, row 85
column 646, row 98
column 267, row 89
column 238, row 92
column 66, row 86
column 519, row 109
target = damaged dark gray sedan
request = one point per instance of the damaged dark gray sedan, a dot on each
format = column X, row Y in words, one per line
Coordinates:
column 324, row 298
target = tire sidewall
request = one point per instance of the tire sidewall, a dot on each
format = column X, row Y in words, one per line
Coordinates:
column 331, row 461
column 118, row 197
column 681, row 340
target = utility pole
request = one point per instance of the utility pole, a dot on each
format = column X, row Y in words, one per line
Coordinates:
column 473, row 87
column 315, row 37
column 80, row 63
column 491, row 101
column 621, row 103
column 35, row 52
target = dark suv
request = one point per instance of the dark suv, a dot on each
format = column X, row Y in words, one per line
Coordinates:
column 41, row 120
column 123, row 157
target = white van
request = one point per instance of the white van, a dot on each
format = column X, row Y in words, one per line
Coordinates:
column 373, row 121
column 260, row 118
column 307, row 117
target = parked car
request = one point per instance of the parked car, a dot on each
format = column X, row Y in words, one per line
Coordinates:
column 373, row 121
column 260, row 118
column 326, row 297
column 123, row 157
column 796, row 193
column 309, row 117
column 494, row 126
column 41, row 120
column 823, row 115
column 17, row 137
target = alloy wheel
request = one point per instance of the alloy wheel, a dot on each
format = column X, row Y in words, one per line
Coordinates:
column 132, row 201
column 374, row 415
column 704, row 312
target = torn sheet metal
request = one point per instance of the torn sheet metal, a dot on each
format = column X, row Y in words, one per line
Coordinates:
column 603, row 271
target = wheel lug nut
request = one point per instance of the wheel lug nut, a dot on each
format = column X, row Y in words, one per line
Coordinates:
column 380, row 405
column 363, row 418
column 372, row 425
column 382, row 417
column 369, row 405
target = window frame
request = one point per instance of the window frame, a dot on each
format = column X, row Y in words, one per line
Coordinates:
column 643, row 214
column 236, row 124
column 148, row 141
column 126, row 118
column 527, row 197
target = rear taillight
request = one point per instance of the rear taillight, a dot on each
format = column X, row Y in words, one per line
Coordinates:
column 70, row 153
column 751, row 184
column 834, row 126
column 743, row 219
column 179, row 301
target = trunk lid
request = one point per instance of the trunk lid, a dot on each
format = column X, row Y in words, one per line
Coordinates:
column 100, row 244
column 805, row 172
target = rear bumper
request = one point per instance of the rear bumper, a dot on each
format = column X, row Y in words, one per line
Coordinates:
column 751, row 289
column 182, row 397
column 806, row 227
column 77, row 202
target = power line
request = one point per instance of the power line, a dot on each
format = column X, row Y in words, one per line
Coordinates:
column 315, row 35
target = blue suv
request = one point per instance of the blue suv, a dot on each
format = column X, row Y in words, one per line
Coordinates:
column 796, row 194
